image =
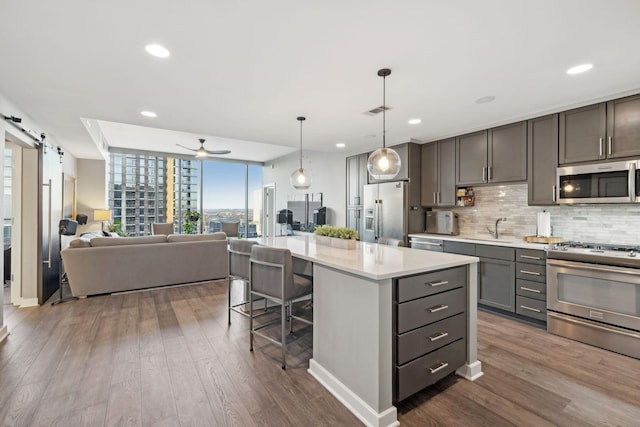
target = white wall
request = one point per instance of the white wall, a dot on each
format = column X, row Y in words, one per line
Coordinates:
column 92, row 191
column 328, row 174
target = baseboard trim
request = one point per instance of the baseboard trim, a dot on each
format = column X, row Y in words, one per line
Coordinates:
column 4, row 333
column 351, row 401
column 29, row 302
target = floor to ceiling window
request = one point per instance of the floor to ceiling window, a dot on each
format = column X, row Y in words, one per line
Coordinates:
column 146, row 189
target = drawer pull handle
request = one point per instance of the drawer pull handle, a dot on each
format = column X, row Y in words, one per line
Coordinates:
column 533, row 273
column 530, row 257
column 440, row 283
column 530, row 290
column 439, row 336
column 530, row 309
column 440, row 308
column 439, row 368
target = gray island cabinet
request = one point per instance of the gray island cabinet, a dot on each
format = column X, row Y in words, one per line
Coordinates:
column 355, row 330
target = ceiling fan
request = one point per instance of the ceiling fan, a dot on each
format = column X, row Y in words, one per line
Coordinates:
column 202, row 152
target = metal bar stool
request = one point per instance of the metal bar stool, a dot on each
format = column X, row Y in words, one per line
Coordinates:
column 271, row 277
column 239, row 269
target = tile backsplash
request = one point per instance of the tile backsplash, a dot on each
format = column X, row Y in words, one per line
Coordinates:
column 588, row 223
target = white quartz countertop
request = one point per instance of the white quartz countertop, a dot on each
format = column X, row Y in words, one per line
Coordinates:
column 368, row 259
column 485, row 240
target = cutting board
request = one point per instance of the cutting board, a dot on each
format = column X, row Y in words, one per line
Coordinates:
column 536, row 239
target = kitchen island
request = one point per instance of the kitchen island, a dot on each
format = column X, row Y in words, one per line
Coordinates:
column 353, row 331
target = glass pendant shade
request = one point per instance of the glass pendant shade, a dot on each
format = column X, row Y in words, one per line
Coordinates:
column 300, row 179
column 384, row 163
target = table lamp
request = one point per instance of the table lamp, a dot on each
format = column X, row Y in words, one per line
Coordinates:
column 102, row 215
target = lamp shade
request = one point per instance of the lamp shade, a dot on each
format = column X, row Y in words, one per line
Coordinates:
column 384, row 163
column 300, row 179
column 101, row 215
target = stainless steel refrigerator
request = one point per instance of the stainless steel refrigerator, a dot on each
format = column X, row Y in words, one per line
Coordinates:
column 385, row 211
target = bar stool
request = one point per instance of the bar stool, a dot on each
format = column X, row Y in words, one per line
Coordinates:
column 239, row 266
column 271, row 277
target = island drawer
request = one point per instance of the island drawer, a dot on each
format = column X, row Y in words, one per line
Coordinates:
column 535, row 290
column 428, row 338
column 531, row 256
column 531, row 308
column 423, row 285
column 416, row 313
column 537, row 273
column 496, row 252
column 422, row 372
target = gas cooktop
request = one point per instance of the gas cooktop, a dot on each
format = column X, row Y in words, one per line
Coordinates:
column 597, row 253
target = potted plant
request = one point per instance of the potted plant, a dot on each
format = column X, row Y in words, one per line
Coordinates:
column 337, row 237
column 191, row 223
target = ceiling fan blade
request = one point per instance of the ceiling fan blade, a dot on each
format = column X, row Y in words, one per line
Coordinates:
column 218, row 152
column 191, row 149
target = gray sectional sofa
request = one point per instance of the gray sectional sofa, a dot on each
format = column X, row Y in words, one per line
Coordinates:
column 109, row 264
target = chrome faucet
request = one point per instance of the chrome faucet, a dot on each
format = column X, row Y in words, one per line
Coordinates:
column 495, row 233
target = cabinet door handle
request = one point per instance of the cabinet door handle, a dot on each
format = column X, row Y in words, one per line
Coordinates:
column 435, row 198
column 439, row 336
column 484, row 172
column 533, row 273
column 439, row 368
column 530, row 290
column 440, row 283
column 439, row 199
column 489, row 173
column 600, row 147
column 439, row 308
column 609, row 145
column 530, row 309
column 553, row 198
column 428, row 243
column 530, row 257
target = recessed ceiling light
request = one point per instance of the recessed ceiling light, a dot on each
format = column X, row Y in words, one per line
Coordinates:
column 341, row 145
column 415, row 121
column 157, row 50
column 148, row 114
column 579, row 69
column 485, row 99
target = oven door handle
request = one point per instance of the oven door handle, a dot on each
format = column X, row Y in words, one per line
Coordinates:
column 593, row 325
column 592, row 267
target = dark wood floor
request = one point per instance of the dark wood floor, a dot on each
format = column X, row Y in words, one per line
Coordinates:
column 167, row 358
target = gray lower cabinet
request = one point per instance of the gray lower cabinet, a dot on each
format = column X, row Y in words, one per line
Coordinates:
column 430, row 328
column 542, row 160
column 496, row 277
column 531, row 283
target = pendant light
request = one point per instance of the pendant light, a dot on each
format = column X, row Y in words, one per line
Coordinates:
column 301, row 179
column 384, row 163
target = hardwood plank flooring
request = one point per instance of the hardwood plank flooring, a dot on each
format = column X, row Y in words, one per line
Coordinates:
column 167, row 357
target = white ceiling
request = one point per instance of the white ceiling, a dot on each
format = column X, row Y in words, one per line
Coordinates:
column 244, row 70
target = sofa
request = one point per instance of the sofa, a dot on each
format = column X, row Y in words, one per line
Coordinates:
column 101, row 265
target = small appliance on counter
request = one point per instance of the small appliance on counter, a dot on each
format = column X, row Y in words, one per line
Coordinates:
column 442, row 222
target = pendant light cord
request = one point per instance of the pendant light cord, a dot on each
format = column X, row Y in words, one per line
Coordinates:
column 300, row 144
column 384, row 110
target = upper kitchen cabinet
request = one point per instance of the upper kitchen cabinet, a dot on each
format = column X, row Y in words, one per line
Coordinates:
column 409, row 153
column 356, row 178
column 582, row 134
column 623, row 127
column 542, row 159
column 438, row 173
column 471, row 155
column 498, row 155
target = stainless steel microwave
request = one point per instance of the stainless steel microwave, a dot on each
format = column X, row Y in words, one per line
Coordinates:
column 613, row 182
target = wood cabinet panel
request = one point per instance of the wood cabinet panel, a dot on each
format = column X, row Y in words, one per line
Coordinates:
column 582, row 134
column 471, row 158
column 542, row 160
column 507, row 154
column 623, row 127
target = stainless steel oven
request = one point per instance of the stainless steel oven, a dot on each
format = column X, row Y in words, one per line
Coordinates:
column 613, row 182
column 595, row 302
